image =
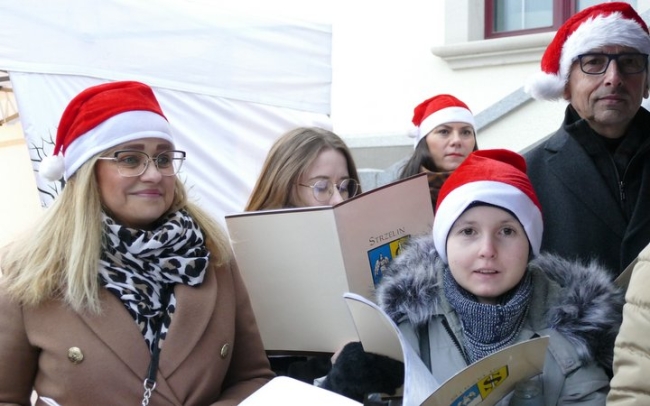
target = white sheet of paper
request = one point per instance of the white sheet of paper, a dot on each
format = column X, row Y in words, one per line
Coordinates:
column 292, row 392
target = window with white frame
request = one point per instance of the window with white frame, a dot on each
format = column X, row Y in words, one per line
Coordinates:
column 499, row 32
column 520, row 17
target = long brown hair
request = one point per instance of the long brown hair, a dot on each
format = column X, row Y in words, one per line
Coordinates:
column 288, row 159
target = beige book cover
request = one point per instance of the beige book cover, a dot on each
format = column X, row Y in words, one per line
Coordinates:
column 297, row 263
column 483, row 383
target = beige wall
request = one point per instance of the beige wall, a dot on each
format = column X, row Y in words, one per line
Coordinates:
column 19, row 201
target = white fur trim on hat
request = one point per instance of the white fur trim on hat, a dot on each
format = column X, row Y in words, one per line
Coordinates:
column 495, row 193
column 544, row 86
column 593, row 33
column 452, row 114
column 127, row 126
column 51, row 168
column 413, row 132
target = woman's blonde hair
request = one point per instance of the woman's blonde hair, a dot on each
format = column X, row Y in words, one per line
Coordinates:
column 59, row 256
column 289, row 157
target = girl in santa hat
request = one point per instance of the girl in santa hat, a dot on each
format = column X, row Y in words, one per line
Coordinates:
column 480, row 285
column 445, row 134
column 124, row 292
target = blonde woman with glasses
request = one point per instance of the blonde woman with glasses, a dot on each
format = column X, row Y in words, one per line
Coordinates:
column 112, row 298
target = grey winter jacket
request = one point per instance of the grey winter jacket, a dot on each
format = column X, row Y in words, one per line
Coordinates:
column 577, row 306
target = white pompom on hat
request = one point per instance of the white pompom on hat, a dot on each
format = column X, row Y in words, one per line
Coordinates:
column 493, row 176
column 614, row 23
column 100, row 118
column 440, row 109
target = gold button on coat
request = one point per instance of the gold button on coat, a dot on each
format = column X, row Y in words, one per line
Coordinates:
column 224, row 350
column 75, row 355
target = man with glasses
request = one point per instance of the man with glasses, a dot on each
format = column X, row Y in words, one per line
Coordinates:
column 593, row 175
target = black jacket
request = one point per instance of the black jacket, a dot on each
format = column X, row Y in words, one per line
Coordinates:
column 583, row 218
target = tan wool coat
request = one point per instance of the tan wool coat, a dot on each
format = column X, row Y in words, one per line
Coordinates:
column 212, row 355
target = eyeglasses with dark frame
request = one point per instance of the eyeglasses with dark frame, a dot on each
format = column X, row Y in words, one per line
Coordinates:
column 628, row 63
column 324, row 189
column 135, row 163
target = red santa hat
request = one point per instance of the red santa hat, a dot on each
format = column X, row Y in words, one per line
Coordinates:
column 440, row 109
column 100, row 118
column 493, row 176
column 604, row 24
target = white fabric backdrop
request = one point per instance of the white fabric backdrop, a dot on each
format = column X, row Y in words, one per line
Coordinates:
column 229, row 83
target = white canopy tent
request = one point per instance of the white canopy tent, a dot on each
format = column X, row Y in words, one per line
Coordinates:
column 229, row 82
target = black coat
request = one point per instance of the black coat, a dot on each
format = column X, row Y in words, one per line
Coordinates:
column 582, row 217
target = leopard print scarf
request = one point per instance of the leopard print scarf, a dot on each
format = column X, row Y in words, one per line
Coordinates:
column 141, row 267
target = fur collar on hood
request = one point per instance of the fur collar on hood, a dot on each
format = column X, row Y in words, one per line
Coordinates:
column 588, row 311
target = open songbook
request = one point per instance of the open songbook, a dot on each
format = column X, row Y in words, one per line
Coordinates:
column 297, row 263
column 483, row 383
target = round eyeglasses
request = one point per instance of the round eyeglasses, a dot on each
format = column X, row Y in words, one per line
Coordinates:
column 324, row 189
column 135, row 163
column 627, row 62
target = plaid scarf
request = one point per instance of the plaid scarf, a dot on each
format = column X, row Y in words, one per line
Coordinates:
column 488, row 328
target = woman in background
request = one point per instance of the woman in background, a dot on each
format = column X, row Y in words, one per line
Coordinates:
column 124, row 292
column 307, row 166
column 445, row 135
